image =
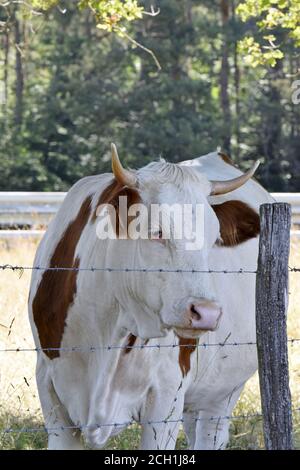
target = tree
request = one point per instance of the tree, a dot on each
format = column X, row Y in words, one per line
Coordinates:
column 84, row 87
column 224, row 75
column 274, row 19
column 110, row 15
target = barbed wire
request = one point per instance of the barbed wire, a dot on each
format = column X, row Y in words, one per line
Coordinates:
column 129, row 270
column 141, row 346
column 131, row 422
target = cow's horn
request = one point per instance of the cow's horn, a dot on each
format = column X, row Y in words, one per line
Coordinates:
column 223, row 187
column 125, row 177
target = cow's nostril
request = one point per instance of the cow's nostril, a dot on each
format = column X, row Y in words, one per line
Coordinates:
column 195, row 315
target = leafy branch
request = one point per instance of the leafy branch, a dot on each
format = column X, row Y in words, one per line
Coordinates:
column 270, row 16
column 110, row 15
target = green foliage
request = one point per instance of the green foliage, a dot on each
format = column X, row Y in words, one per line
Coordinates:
column 84, row 88
column 274, row 16
column 254, row 55
column 110, row 15
column 43, row 4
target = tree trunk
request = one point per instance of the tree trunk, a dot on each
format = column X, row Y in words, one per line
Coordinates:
column 224, row 77
column 5, row 77
column 293, row 119
column 272, row 128
column 19, row 87
column 237, row 79
column 188, row 11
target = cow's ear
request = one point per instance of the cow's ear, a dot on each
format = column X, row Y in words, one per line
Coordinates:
column 238, row 222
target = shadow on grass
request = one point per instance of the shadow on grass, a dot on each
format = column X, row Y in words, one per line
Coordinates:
column 19, row 439
column 247, row 434
column 244, row 435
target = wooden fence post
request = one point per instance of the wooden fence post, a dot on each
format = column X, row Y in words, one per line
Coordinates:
column 271, row 330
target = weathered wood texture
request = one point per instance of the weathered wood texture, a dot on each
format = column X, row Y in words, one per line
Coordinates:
column 271, row 329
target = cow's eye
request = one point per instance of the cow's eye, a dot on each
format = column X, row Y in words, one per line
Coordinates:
column 157, row 235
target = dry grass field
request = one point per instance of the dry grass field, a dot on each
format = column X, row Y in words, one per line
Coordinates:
column 19, row 403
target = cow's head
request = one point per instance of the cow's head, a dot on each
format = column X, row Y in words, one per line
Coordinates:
column 152, row 302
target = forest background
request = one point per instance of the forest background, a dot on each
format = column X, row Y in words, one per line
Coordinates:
column 73, row 80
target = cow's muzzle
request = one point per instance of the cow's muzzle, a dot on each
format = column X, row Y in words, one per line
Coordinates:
column 203, row 315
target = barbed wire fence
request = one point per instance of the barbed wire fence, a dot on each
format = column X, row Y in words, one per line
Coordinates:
column 276, row 219
column 20, row 269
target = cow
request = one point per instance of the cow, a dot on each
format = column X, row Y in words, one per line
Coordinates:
column 88, row 323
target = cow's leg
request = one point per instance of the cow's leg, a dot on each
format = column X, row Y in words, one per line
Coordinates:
column 213, row 434
column 189, row 425
column 161, row 405
column 55, row 415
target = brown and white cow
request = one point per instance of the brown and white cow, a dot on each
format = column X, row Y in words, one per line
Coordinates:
column 91, row 389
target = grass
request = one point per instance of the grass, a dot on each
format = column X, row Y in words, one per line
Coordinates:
column 19, row 403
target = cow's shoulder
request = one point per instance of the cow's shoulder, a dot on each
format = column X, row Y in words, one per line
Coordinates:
column 54, row 284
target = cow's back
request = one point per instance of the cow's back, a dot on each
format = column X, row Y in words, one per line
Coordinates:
column 216, row 166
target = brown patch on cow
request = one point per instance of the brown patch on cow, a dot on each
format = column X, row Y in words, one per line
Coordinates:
column 131, row 339
column 130, row 342
column 226, row 159
column 238, row 222
column 186, row 347
column 111, row 195
column 57, row 289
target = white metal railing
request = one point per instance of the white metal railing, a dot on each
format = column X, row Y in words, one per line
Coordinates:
column 294, row 200
column 36, row 209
